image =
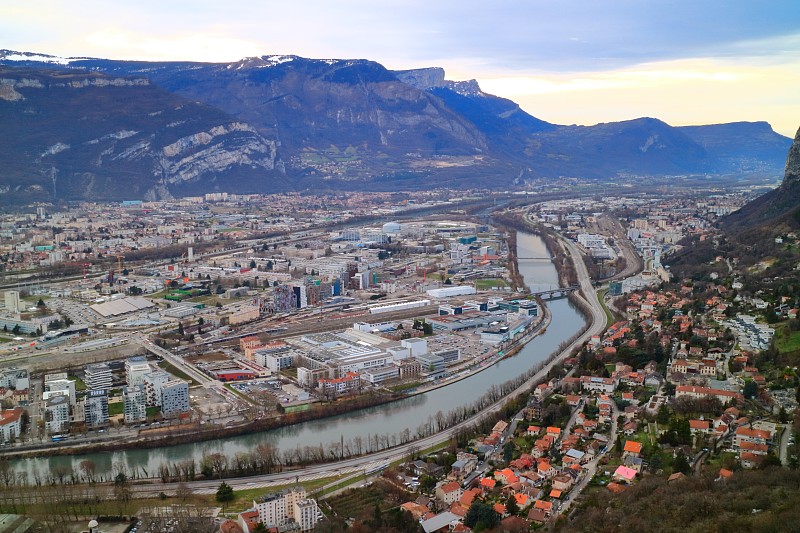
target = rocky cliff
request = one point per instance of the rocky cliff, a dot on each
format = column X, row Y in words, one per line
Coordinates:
column 74, row 135
column 791, row 176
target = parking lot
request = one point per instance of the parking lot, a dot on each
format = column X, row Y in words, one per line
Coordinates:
column 283, row 393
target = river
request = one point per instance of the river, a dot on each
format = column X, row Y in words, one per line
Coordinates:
column 385, row 419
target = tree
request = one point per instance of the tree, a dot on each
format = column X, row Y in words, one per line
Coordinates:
column 183, row 491
column 681, row 464
column 511, row 505
column 481, row 516
column 750, row 389
column 40, row 304
column 180, row 329
column 508, row 451
column 88, row 468
column 224, row 493
column 122, row 489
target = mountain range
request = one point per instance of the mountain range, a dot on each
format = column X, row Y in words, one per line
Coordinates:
column 87, row 128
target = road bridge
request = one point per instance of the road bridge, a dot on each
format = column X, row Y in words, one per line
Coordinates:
column 555, row 294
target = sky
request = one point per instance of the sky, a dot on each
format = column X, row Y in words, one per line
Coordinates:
column 564, row 61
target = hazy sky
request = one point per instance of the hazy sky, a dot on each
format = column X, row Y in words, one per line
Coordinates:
column 581, row 62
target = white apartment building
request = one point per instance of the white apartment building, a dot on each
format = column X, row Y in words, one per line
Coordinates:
column 174, row 397
column 98, row 376
column 306, row 512
column 56, row 414
column 275, row 360
column 280, row 508
column 61, row 385
column 135, row 370
column 95, row 408
column 15, row 378
column 10, row 425
column 152, row 386
column 134, row 402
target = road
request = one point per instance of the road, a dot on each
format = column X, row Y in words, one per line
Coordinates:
column 591, row 467
column 597, row 316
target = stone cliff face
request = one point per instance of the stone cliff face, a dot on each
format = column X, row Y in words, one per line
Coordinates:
column 84, row 135
column 422, row 78
column 214, row 152
column 791, row 175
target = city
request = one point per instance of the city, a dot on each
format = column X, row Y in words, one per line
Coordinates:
column 399, row 267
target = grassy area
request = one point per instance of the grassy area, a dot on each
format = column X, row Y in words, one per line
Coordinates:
column 341, row 485
column 243, row 499
column 176, row 372
column 405, row 386
column 115, row 408
column 723, row 460
column 290, row 373
column 79, row 384
column 609, row 316
column 152, row 411
column 360, row 502
column 491, row 283
column 787, row 341
column 297, row 408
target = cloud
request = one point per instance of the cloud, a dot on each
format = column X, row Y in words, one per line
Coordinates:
column 180, row 46
column 574, row 61
column 682, row 92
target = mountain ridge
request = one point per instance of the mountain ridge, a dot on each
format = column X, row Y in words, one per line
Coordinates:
column 350, row 122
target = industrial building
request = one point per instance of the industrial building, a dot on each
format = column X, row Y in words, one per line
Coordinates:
column 121, row 306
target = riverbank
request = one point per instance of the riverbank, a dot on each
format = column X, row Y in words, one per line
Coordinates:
column 194, row 433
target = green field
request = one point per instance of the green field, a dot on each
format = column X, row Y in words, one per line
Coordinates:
column 79, row 384
column 177, row 373
column 297, row 408
column 244, row 498
column 787, row 341
column 609, row 316
column 490, row 283
column 115, row 408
